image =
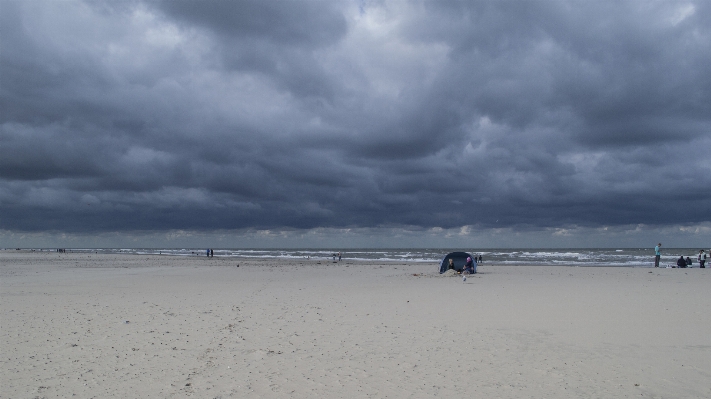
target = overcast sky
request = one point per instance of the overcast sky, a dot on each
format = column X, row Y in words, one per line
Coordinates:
column 355, row 123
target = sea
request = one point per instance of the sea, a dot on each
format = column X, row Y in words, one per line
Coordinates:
column 611, row 257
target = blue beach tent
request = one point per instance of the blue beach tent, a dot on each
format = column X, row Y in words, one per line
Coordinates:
column 460, row 259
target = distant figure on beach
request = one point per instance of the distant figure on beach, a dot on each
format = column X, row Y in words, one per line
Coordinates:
column 681, row 262
column 480, row 260
column 451, row 264
column 469, row 267
column 212, row 253
column 702, row 259
column 339, row 256
column 208, row 252
column 657, row 254
column 688, row 261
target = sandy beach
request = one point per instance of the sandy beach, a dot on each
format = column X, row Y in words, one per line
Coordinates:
column 132, row 326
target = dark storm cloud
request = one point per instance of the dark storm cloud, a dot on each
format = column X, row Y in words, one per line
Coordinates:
column 303, row 24
column 272, row 38
column 211, row 115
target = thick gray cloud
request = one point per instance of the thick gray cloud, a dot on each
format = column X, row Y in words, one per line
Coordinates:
column 213, row 115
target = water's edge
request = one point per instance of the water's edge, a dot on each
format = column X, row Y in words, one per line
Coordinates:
column 625, row 257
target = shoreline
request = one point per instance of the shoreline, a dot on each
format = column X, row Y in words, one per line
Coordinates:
column 162, row 326
column 8, row 254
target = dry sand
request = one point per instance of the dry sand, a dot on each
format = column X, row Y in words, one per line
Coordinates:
column 130, row 326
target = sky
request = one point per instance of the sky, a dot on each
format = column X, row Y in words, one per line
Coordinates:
column 355, row 123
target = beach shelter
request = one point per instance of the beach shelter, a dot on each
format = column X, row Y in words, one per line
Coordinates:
column 459, row 258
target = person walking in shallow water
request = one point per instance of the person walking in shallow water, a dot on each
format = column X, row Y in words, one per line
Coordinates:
column 657, row 254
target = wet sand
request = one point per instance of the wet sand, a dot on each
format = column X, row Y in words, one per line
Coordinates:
column 80, row 325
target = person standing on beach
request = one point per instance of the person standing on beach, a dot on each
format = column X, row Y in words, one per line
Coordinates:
column 657, row 254
column 702, row 259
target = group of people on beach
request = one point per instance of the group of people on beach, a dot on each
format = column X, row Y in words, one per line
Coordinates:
column 681, row 262
column 469, row 267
